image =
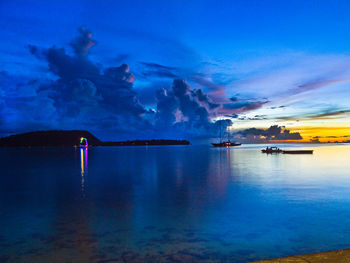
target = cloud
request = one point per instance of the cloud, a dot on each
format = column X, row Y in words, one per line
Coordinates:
column 83, row 42
column 180, row 100
column 298, row 80
column 233, row 116
column 204, row 99
column 315, row 140
column 273, row 133
column 327, row 115
column 86, row 95
column 257, row 117
column 330, row 115
column 317, row 84
column 216, row 91
column 240, row 106
column 244, row 106
column 201, row 81
column 24, row 105
column 182, row 109
column 157, row 66
column 156, row 70
column 279, row 107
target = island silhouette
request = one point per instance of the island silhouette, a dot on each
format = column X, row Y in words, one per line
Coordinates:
column 72, row 138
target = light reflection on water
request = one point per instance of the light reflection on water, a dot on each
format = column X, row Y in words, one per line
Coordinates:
column 172, row 203
column 83, row 167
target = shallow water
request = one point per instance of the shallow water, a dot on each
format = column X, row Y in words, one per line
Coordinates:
column 172, row 203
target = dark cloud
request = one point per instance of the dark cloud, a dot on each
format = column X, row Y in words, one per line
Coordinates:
column 151, row 69
column 243, row 106
column 316, row 84
column 89, row 96
column 279, row 107
column 204, row 99
column 147, row 94
column 159, row 74
column 330, row 137
column 215, row 90
column 86, row 95
column 238, row 105
column 257, row 117
column 181, row 108
column 83, row 42
column 275, row 132
column 156, row 66
column 33, row 50
column 233, row 116
column 64, row 66
column 329, row 114
column 316, row 140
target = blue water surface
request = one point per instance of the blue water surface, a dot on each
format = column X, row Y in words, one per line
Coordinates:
column 172, row 203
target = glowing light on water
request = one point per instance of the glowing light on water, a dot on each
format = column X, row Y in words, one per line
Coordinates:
column 86, row 158
column 83, row 167
column 82, row 162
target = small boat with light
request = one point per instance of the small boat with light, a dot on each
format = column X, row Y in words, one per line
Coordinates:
column 271, row 150
column 226, row 144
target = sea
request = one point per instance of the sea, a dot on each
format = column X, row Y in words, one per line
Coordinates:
column 190, row 203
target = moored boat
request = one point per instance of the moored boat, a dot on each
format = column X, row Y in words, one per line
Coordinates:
column 298, row 152
column 226, row 144
column 278, row 150
column 271, row 150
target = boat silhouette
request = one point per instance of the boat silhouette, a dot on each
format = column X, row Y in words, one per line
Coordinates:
column 278, row 150
column 227, row 143
column 271, row 150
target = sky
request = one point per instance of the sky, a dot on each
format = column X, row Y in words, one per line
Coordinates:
column 263, row 70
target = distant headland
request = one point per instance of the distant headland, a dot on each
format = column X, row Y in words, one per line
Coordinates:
column 72, row 138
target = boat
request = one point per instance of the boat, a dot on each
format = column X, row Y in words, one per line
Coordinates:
column 278, row 150
column 271, row 150
column 227, row 143
column 298, row 152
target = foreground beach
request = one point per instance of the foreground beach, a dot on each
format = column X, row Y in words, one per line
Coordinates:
column 336, row 256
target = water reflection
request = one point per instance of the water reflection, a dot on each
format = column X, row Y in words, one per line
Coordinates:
column 171, row 204
column 83, row 167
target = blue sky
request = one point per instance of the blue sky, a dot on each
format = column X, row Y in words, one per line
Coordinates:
column 263, row 63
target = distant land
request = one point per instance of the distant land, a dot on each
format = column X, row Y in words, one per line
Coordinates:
column 71, row 138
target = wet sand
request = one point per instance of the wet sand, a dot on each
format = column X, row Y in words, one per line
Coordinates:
column 336, row 256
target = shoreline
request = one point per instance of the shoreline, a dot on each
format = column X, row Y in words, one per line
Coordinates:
column 333, row 256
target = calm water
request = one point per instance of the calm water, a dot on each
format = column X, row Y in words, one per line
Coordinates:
column 176, row 203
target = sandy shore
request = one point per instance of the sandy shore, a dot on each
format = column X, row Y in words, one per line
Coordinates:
column 336, row 256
